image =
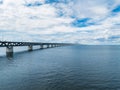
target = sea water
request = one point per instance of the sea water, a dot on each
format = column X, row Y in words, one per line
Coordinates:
column 77, row 67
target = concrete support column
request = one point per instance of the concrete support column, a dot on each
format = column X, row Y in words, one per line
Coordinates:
column 48, row 46
column 53, row 45
column 41, row 47
column 30, row 48
column 9, row 51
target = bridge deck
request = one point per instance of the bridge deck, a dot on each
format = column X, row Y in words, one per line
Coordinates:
column 8, row 43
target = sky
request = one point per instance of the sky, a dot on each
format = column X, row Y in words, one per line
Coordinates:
column 63, row 21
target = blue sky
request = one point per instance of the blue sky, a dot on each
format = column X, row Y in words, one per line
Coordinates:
column 73, row 21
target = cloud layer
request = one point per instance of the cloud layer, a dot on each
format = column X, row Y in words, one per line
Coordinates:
column 74, row 21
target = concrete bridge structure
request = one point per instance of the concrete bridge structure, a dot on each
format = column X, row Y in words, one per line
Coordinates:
column 10, row 45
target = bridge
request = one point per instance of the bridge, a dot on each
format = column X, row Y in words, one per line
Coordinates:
column 9, row 46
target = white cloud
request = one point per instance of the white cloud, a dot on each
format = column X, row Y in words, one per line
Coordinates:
column 32, row 1
column 52, row 22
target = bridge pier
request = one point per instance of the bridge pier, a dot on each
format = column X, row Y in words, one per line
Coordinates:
column 48, row 46
column 41, row 47
column 30, row 48
column 53, row 45
column 9, row 51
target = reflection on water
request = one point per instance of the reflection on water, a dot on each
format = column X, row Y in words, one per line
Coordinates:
column 9, row 55
column 63, row 68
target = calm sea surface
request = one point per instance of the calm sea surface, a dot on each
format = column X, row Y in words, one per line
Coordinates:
column 63, row 68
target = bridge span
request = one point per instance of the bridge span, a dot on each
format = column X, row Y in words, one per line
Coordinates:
column 9, row 46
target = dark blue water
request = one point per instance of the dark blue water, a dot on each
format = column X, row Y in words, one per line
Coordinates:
column 63, row 68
